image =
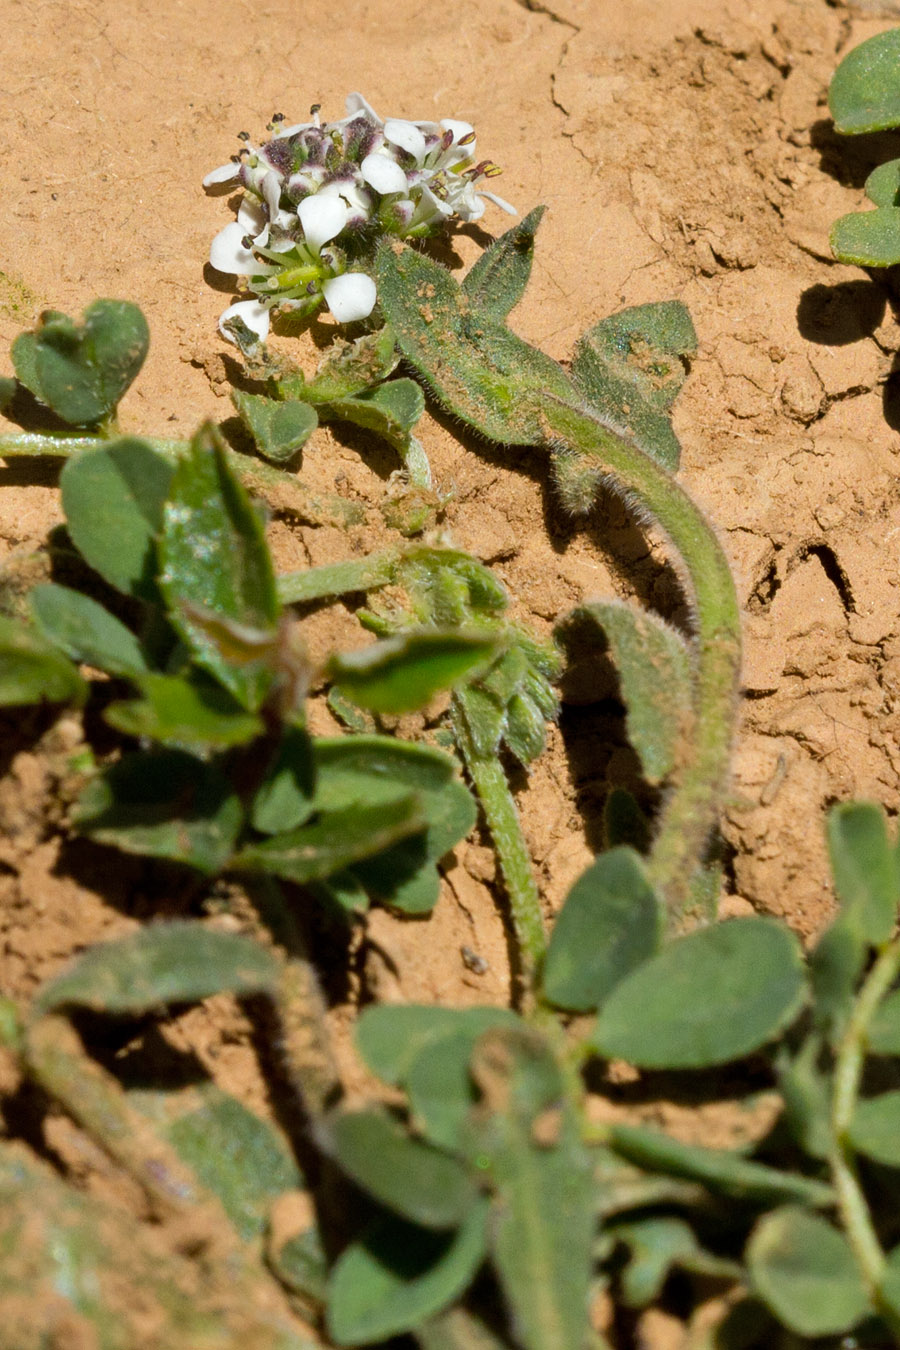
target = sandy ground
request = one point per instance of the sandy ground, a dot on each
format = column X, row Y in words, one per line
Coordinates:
column 684, row 150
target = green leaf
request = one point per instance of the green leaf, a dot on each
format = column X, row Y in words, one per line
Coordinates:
column 835, row 965
column 8, row 389
column 610, row 923
column 656, row 1245
column 804, row 1270
column 399, row 1275
column 889, row 1291
column 85, row 630
column 113, row 500
column 476, row 367
column 707, row 998
column 391, row 1036
column 883, row 184
column 214, row 557
column 867, row 238
column 721, row 1170
column 368, row 770
column 624, row 823
column 407, row 1175
column 654, row 667
column 883, row 1031
column 875, row 1128
column 284, row 798
column 333, row 842
column 177, row 962
column 864, row 94
column 866, row 869
column 31, row 671
column 629, row 367
column 279, row 429
column 525, row 1143
column 391, row 410
column 82, row 371
column 440, row 1086
column 233, row 1153
column 164, row 803
column 405, row 672
column 187, row 712
column 496, row 281
column 301, row 1264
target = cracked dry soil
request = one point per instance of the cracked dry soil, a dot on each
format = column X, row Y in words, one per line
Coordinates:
column 684, row 150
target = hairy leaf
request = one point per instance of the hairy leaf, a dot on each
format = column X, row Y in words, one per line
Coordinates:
column 404, row 672
column 278, row 429
column 864, row 94
column 707, row 998
column 611, row 922
column 867, row 238
column 496, row 281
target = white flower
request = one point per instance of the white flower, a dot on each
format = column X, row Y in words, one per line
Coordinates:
column 254, row 314
column 350, row 296
column 228, row 254
column 322, row 216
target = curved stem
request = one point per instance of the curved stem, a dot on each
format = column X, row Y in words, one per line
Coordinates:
column 691, row 809
column 854, row 1210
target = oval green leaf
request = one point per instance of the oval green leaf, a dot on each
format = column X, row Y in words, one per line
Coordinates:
column 866, row 868
column 398, row 1275
column 804, row 1270
column 403, row 673
column 875, row 1128
column 865, row 92
column 868, row 238
column 31, row 671
column 610, row 923
column 710, row 997
column 178, row 962
column 85, row 630
column 406, row 1175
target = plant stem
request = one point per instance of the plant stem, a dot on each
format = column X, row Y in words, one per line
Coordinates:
column 848, row 1068
column 492, row 787
column 690, row 812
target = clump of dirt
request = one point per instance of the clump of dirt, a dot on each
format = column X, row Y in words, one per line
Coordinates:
column 685, row 151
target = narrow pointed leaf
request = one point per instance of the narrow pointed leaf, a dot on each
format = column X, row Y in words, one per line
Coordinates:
column 397, row 1276
column 113, row 499
column 707, row 998
column 610, row 923
column 496, row 281
column 804, row 1270
column 214, row 556
column 178, row 962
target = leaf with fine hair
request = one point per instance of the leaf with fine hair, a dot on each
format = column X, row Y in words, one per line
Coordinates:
column 279, row 429
column 864, row 94
column 496, row 281
column 406, row 671
column 177, row 962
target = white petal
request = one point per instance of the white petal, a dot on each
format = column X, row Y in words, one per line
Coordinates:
column 271, row 191
column 251, row 216
column 433, row 205
column 227, row 252
column 225, row 173
column 292, row 130
column 459, row 130
column 322, row 216
column 383, row 174
column 407, row 135
column 357, row 104
column 350, row 296
column 254, row 315
column 499, row 201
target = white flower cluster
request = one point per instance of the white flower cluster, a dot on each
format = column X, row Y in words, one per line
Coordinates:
column 318, row 197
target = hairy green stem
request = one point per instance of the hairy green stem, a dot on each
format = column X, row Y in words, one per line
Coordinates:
column 854, row 1210
column 690, row 812
column 492, row 787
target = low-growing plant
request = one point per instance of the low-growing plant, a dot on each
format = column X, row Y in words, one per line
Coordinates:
column 864, row 96
column 504, row 1198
